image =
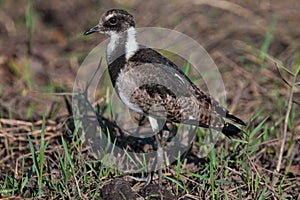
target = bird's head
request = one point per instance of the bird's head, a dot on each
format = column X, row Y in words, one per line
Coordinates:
column 113, row 21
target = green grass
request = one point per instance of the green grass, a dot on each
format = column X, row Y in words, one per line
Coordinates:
column 74, row 176
column 29, row 25
column 83, row 174
column 268, row 39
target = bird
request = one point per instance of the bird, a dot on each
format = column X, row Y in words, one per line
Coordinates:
column 126, row 58
column 152, row 85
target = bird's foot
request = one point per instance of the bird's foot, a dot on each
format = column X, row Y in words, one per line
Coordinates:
column 146, row 179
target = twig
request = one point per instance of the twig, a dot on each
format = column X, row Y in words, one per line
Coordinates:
column 8, row 23
column 14, row 122
column 286, row 125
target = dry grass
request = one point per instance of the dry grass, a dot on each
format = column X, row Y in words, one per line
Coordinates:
column 255, row 45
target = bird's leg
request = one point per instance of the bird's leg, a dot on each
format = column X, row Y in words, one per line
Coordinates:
column 159, row 159
column 145, row 179
column 156, row 126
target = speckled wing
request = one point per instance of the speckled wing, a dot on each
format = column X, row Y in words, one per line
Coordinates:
column 165, row 93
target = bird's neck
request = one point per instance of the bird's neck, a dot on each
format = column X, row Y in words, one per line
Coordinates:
column 121, row 44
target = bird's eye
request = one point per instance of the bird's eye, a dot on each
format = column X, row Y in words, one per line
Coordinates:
column 113, row 21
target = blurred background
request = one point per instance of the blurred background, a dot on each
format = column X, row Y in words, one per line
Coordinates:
column 42, row 46
column 255, row 44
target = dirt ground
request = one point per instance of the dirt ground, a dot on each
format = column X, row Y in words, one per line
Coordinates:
column 233, row 33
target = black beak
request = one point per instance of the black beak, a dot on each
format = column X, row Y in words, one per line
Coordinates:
column 96, row 28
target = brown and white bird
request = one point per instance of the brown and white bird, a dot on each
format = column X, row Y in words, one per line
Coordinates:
column 152, row 85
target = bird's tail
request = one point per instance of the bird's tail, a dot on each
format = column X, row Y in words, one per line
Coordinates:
column 231, row 131
column 235, row 119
